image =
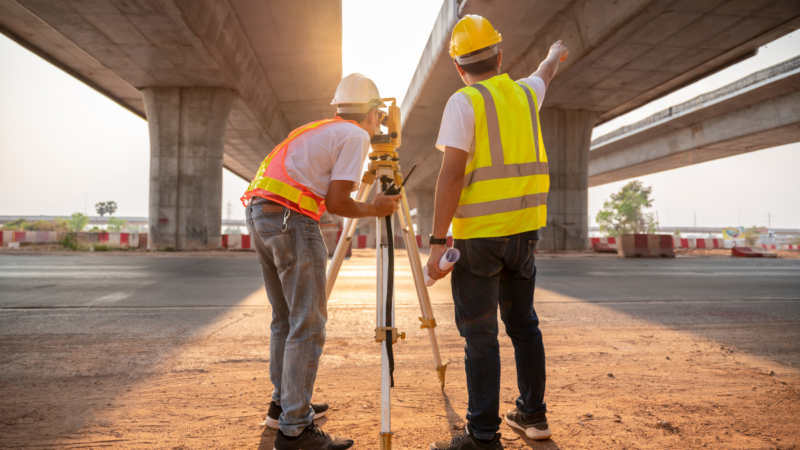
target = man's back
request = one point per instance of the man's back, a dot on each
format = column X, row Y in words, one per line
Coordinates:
column 335, row 151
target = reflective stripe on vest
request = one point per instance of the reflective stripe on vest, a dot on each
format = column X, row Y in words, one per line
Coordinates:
column 506, row 182
column 273, row 183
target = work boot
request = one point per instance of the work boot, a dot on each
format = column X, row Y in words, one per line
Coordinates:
column 465, row 441
column 275, row 410
column 312, row 438
column 534, row 425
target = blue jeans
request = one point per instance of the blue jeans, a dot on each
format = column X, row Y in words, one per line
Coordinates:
column 500, row 272
column 293, row 265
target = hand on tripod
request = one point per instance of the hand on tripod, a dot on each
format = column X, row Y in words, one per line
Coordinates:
column 386, row 204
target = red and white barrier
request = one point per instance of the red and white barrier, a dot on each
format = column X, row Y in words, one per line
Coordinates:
column 770, row 247
column 699, row 243
column 51, row 237
column 603, row 240
column 791, row 247
column 236, row 241
column 709, row 243
column 120, row 239
column 645, row 246
column 752, row 252
column 604, row 248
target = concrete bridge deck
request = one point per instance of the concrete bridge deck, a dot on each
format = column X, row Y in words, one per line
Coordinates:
column 623, row 54
column 756, row 112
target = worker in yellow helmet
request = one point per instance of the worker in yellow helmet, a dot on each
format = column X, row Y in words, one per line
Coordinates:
column 315, row 168
column 493, row 188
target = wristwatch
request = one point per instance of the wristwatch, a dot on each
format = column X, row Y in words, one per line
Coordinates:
column 434, row 241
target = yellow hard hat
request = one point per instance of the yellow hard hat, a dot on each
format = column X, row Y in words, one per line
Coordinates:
column 470, row 34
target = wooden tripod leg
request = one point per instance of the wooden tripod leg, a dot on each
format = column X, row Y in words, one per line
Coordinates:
column 427, row 319
column 344, row 242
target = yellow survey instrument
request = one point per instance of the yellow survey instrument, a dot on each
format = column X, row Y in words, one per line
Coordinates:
column 383, row 172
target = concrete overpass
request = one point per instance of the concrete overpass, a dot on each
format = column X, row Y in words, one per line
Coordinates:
column 220, row 82
column 623, row 54
column 756, row 112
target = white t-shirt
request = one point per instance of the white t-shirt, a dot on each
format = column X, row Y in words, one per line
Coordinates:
column 333, row 152
column 458, row 122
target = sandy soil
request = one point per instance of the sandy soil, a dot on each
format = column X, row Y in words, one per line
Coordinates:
column 614, row 381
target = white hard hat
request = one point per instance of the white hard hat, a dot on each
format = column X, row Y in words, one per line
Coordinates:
column 356, row 94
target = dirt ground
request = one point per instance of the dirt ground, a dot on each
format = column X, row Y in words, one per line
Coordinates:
column 615, row 381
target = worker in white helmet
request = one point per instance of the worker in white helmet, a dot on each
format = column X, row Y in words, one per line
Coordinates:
column 314, row 169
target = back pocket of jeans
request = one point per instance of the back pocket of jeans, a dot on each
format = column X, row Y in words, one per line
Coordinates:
column 529, row 268
column 486, row 255
column 283, row 248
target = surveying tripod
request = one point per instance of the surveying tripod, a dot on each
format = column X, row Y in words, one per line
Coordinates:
column 384, row 173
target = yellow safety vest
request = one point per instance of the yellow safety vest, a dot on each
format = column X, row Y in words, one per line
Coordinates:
column 506, row 182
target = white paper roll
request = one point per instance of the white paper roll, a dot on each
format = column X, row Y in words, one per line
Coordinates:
column 448, row 259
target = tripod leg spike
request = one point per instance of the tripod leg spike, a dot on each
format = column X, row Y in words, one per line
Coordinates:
column 386, row 441
column 441, row 371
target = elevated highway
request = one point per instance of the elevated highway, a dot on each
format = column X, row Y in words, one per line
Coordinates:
column 756, row 112
column 220, row 82
column 623, row 54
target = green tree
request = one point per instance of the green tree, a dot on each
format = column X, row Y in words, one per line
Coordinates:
column 106, row 208
column 115, row 225
column 624, row 212
column 751, row 235
column 677, row 233
column 78, row 221
column 16, row 225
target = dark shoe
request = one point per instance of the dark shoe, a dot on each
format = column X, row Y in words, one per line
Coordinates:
column 534, row 425
column 274, row 413
column 465, row 441
column 312, row 438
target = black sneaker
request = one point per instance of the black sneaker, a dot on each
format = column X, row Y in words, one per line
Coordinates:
column 534, row 425
column 465, row 441
column 312, row 438
column 274, row 413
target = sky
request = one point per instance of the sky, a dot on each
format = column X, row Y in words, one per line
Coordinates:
column 65, row 147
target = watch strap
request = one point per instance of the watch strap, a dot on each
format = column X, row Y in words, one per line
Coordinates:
column 434, row 241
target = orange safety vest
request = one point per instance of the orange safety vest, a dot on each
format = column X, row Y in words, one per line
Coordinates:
column 273, row 183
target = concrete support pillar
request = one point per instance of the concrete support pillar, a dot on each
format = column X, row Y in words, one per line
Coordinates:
column 187, row 135
column 425, row 200
column 567, row 137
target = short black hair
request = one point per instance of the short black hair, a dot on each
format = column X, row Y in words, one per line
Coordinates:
column 480, row 67
column 356, row 117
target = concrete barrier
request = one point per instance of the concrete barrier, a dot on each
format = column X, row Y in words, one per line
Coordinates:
column 602, row 240
column 699, row 243
column 752, row 252
column 791, row 247
column 645, row 246
column 604, row 248
column 710, row 243
column 236, row 242
column 130, row 240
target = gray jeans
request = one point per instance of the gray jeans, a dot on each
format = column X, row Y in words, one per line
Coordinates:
column 293, row 264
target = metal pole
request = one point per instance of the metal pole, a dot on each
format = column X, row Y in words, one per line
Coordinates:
column 386, row 409
column 427, row 318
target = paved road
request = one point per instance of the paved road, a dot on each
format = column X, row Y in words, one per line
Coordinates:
column 157, row 351
column 180, row 281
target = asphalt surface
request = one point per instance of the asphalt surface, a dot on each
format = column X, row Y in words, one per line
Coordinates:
column 160, row 350
column 189, row 281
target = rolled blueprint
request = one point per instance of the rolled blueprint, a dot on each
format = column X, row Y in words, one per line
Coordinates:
column 448, row 259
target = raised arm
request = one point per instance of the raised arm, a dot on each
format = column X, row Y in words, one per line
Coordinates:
column 547, row 69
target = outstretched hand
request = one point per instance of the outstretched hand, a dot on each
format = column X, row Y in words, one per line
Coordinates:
column 561, row 50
